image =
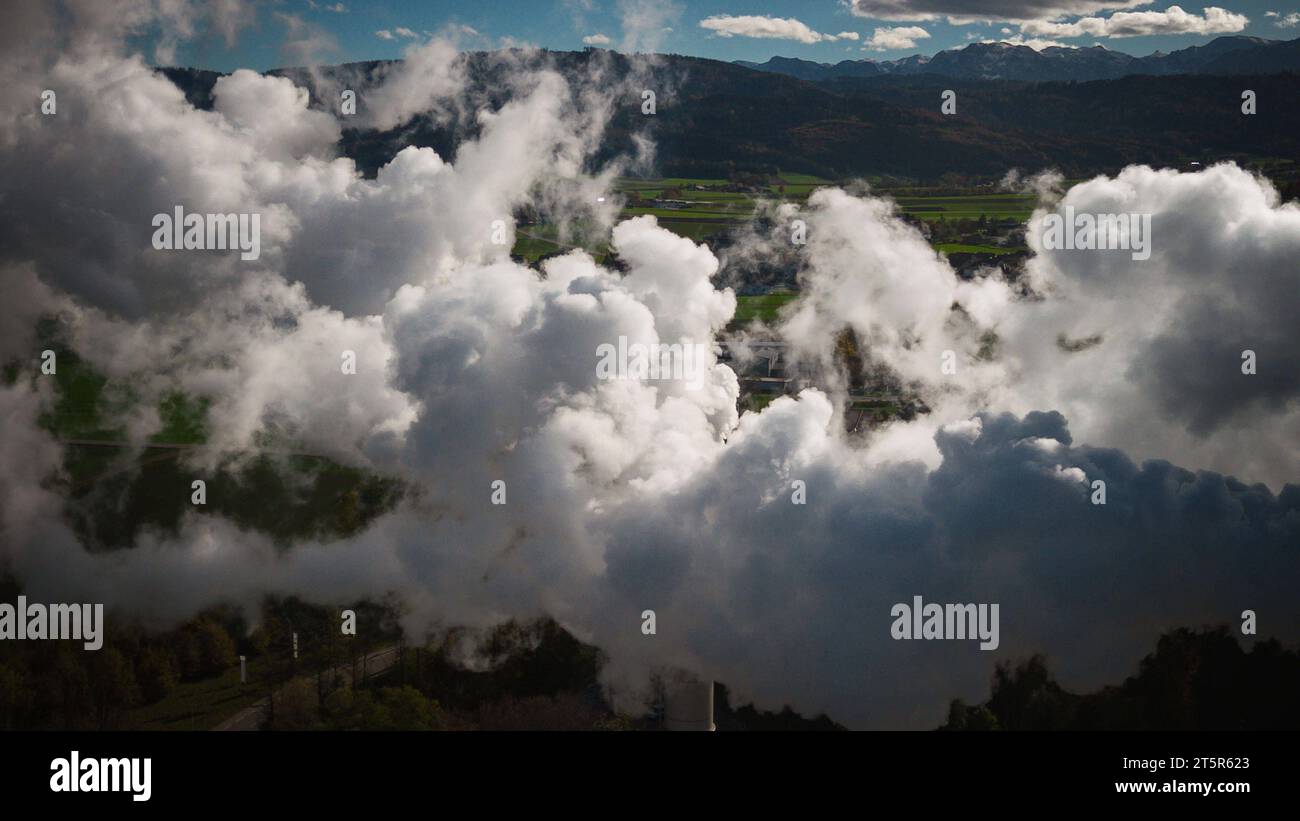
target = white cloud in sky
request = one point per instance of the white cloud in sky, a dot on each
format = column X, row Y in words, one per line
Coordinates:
column 1036, row 43
column 898, row 37
column 400, row 31
column 959, row 12
column 769, row 28
column 1173, row 20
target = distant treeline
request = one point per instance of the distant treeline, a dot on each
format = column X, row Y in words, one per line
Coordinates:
column 59, row 685
column 1195, row 680
column 536, row 675
column 525, row 675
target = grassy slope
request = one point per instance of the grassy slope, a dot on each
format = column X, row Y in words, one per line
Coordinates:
column 197, row 705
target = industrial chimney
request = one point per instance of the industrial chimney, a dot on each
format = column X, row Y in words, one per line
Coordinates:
column 688, row 705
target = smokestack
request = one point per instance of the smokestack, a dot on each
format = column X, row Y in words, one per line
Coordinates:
column 688, row 705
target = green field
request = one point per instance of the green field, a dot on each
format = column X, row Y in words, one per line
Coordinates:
column 702, row 212
column 804, row 179
column 691, row 229
column 960, row 248
column 710, row 210
column 532, row 242
column 763, row 307
column 993, row 206
column 533, row 249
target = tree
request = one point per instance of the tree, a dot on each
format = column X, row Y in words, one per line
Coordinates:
column 185, row 649
column 389, row 708
column 1027, row 698
column 296, row 707
column 409, row 709
column 216, row 648
column 113, row 686
column 156, row 673
column 1194, row 680
column 962, row 716
column 63, row 687
column 15, row 694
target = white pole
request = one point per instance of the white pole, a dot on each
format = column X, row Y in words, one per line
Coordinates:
column 243, row 671
column 295, row 646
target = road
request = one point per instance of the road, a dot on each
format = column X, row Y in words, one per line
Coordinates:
column 250, row 718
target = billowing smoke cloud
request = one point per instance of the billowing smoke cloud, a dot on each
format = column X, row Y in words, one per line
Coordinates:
column 795, row 599
column 623, row 494
column 1166, row 378
column 1146, row 355
column 646, row 23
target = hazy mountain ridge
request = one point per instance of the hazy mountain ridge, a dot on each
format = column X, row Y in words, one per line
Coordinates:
column 1005, row 61
column 716, row 118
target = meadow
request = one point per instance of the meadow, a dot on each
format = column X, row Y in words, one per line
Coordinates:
column 707, row 208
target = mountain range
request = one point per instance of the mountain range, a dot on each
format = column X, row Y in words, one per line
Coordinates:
column 719, row 120
column 1005, row 61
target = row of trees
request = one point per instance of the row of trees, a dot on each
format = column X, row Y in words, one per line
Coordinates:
column 59, row 685
column 537, row 675
column 1195, row 680
column 525, row 675
column 357, row 708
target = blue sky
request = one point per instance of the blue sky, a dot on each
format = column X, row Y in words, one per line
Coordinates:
column 823, row 30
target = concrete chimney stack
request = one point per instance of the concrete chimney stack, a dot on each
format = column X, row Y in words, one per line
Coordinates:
column 688, row 705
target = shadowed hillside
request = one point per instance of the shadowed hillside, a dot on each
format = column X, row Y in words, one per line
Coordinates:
column 716, row 119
